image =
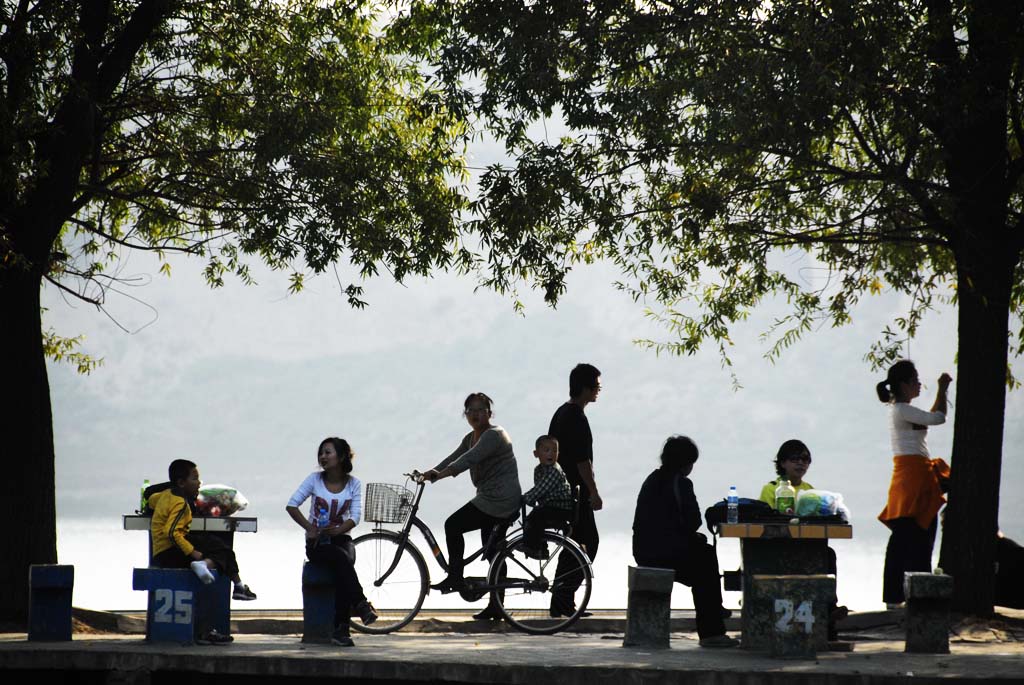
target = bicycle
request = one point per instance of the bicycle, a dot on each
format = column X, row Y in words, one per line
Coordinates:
column 395, row 577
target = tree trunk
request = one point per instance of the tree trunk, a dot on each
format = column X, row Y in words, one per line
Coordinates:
column 985, row 277
column 27, row 497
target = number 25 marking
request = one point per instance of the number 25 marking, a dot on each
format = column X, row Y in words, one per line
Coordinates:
column 179, row 601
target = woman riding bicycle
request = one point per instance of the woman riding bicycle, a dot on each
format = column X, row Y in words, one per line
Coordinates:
column 487, row 453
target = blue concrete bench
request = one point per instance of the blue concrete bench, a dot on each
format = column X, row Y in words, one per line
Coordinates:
column 317, row 602
column 49, row 607
column 180, row 606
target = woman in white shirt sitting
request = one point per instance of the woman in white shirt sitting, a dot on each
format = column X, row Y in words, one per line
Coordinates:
column 335, row 507
column 915, row 494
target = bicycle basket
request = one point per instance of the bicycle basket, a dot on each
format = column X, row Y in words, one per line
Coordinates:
column 386, row 503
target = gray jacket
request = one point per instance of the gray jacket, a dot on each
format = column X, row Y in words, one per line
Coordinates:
column 492, row 468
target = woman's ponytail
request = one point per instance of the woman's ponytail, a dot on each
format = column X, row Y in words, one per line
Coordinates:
column 883, row 392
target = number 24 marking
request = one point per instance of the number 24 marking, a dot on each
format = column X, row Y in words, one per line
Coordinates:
column 786, row 615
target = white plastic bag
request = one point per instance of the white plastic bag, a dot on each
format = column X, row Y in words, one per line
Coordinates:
column 220, row 500
column 821, row 503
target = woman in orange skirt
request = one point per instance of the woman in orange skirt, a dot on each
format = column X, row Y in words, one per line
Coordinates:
column 915, row 495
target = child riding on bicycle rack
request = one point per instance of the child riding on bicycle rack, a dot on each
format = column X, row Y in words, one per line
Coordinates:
column 550, row 496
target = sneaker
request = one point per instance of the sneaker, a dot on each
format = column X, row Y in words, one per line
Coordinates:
column 894, row 606
column 540, row 553
column 719, row 642
column 450, row 584
column 490, row 613
column 243, row 593
column 203, row 571
column 558, row 612
column 212, row 637
column 367, row 614
column 342, row 638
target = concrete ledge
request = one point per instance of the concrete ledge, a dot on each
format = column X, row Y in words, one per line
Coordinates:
column 927, row 586
column 514, row 659
column 650, row 579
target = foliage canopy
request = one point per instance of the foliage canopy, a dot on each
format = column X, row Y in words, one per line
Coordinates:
column 706, row 136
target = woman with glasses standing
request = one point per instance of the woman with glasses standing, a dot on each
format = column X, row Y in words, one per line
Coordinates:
column 486, row 452
column 915, row 493
column 792, row 461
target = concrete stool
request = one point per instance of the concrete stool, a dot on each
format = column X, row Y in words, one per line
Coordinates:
column 789, row 614
column 49, row 606
column 180, row 607
column 928, row 598
column 648, row 608
column 317, row 602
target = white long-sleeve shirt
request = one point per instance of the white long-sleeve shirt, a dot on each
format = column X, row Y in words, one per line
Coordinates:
column 346, row 505
column 903, row 435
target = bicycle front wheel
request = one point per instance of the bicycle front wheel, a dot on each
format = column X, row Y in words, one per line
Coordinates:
column 397, row 596
column 541, row 591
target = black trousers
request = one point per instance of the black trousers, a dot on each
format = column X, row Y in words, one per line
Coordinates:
column 211, row 547
column 468, row 518
column 910, row 549
column 541, row 518
column 567, row 577
column 698, row 569
column 338, row 552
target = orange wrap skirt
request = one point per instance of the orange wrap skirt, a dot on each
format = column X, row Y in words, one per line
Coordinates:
column 914, row 491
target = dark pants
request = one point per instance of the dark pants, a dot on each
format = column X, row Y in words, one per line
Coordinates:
column 541, row 518
column 567, row 577
column 211, row 547
column 698, row 569
column 910, row 549
column 461, row 522
column 339, row 553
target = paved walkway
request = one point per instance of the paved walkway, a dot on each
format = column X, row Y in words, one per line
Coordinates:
column 981, row 651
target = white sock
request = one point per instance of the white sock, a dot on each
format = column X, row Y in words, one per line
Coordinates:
column 203, row 571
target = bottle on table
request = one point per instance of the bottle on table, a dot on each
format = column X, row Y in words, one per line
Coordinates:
column 732, row 506
column 785, row 497
column 142, row 496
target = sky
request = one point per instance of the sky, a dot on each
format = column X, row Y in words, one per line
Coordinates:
column 246, row 381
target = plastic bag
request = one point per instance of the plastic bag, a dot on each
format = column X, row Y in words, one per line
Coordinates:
column 821, row 503
column 220, row 500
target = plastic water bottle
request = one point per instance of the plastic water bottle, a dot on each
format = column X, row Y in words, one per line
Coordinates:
column 733, row 506
column 323, row 519
column 142, row 495
column 785, row 497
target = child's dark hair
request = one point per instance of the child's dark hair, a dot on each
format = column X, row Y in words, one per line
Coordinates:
column 477, row 396
column 545, row 438
column 902, row 371
column 342, row 449
column 678, row 453
column 582, row 376
column 788, row 450
column 180, row 469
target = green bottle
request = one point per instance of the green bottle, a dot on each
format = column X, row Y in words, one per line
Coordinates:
column 142, row 495
column 785, row 497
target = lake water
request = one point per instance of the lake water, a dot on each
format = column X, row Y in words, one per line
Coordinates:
column 271, row 563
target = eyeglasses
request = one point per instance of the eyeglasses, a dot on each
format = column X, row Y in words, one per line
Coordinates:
column 476, row 410
column 805, row 458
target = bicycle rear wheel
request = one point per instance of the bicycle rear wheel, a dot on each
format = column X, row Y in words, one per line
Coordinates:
column 527, row 584
column 398, row 597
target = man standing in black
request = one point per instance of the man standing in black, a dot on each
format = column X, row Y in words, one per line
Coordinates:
column 570, row 427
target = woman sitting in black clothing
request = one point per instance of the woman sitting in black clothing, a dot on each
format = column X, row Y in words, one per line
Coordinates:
column 665, row 536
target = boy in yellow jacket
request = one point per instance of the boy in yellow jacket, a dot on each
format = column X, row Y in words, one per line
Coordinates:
column 174, row 547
